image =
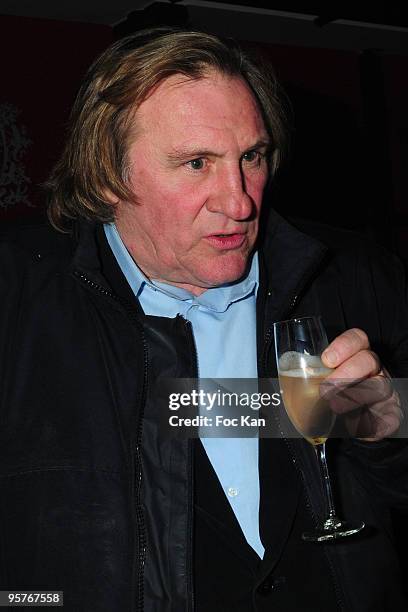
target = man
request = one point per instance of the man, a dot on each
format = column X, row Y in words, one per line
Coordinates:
column 162, row 272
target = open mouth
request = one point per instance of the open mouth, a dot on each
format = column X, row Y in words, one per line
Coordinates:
column 226, row 241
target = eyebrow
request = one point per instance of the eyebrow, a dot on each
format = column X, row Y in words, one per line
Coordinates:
column 176, row 155
column 185, row 153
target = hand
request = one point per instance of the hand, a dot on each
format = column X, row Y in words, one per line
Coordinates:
column 359, row 388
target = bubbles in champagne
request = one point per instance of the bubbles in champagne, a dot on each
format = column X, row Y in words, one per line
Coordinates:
column 301, row 365
column 300, row 377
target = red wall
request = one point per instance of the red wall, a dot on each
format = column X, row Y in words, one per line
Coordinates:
column 41, row 66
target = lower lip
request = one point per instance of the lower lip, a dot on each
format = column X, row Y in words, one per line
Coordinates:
column 233, row 241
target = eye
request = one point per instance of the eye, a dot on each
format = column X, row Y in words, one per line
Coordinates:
column 252, row 156
column 196, row 164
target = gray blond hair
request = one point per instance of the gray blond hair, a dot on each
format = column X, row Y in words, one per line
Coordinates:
column 94, row 160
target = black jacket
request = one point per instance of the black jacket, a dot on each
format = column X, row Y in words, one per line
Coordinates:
column 94, row 501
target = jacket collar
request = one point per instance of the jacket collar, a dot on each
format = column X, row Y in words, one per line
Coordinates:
column 287, row 258
column 87, row 252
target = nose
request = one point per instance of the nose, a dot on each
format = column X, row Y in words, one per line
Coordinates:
column 229, row 196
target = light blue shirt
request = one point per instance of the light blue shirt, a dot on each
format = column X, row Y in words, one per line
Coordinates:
column 224, row 325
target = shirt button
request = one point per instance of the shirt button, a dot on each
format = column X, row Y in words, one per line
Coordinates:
column 232, row 491
column 270, row 584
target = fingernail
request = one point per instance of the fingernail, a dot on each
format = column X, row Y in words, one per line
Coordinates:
column 330, row 358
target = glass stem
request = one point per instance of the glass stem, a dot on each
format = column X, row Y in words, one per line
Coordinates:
column 321, row 455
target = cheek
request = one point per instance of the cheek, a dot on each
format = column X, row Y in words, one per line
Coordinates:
column 255, row 188
column 170, row 215
column 179, row 204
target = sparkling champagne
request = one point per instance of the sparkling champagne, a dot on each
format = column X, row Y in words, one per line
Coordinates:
column 309, row 412
column 299, row 344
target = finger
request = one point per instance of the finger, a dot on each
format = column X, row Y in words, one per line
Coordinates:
column 361, row 365
column 345, row 395
column 376, row 422
column 344, row 346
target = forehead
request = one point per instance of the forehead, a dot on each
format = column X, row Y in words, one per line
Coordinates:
column 215, row 103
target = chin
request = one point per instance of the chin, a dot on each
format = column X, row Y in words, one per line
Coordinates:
column 227, row 272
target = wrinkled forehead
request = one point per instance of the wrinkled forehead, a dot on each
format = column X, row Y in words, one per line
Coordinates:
column 214, row 100
column 205, row 75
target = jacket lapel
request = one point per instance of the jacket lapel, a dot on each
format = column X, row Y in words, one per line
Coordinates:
column 288, row 262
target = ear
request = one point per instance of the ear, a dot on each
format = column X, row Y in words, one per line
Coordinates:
column 110, row 198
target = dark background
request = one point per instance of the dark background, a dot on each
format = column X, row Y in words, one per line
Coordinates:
column 345, row 75
column 345, row 72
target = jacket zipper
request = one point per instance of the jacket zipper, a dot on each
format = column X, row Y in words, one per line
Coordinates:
column 141, row 527
column 269, row 333
column 292, row 303
column 139, row 510
column 190, row 471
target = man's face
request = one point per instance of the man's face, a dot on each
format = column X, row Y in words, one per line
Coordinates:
column 198, row 169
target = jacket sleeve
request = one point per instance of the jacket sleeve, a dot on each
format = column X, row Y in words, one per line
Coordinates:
column 385, row 463
column 384, row 469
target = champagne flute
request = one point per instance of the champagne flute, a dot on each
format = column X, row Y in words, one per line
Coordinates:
column 299, row 344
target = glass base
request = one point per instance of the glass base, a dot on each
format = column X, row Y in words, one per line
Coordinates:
column 333, row 529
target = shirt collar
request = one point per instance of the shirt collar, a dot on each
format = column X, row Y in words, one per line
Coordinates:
column 215, row 298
